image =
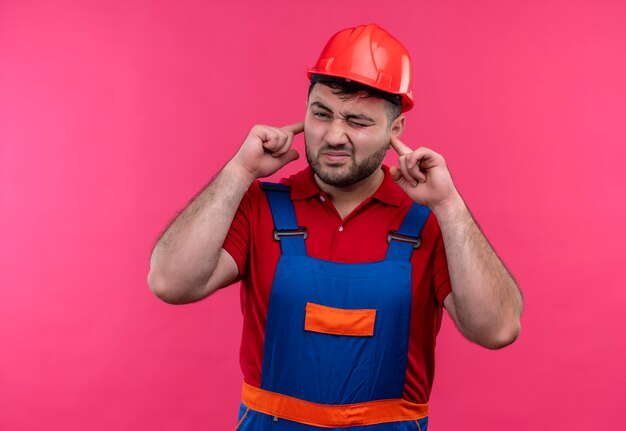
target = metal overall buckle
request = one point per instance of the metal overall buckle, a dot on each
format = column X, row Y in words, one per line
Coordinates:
column 301, row 231
column 396, row 236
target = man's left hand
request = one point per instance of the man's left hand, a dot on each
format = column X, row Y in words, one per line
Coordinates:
column 423, row 175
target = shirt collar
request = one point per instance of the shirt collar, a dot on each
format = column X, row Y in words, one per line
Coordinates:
column 303, row 186
column 389, row 191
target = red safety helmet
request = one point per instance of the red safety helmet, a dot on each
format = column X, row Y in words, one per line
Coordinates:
column 369, row 55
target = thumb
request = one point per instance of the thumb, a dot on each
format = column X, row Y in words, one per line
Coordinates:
column 289, row 156
column 395, row 173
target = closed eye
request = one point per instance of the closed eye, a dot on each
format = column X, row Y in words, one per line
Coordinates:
column 357, row 124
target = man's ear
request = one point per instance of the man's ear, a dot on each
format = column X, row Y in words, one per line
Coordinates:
column 397, row 127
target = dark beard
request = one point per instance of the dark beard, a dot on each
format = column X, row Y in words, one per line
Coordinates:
column 356, row 173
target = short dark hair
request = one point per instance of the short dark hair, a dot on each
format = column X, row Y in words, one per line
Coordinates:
column 347, row 90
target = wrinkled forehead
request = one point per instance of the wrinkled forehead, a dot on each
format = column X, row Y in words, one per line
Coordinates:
column 356, row 103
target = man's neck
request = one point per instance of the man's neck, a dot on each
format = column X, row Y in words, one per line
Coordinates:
column 346, row 199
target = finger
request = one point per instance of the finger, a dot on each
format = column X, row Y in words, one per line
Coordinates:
column 400, row 147
column 417, row 174
column 396, row 175
column 295, row 128
column 413, row 159
column 285, row 140
column 271, row 139
column 268, row 136
column 405, row 171
column 427, row 158
column 413, row 164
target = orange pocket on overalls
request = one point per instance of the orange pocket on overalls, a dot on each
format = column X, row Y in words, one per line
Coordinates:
column 339, row 321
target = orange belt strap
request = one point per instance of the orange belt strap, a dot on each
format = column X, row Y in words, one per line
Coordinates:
column 330, row 415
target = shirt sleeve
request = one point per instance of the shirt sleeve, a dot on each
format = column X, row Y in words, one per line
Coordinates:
column 237, row 242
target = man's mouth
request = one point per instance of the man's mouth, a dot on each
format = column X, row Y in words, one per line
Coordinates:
column 336, row 156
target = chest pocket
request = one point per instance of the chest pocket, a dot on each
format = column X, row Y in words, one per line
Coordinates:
column 339, row 321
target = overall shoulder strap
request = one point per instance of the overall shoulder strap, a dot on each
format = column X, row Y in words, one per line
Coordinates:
column 286, row 229
column 403, row 241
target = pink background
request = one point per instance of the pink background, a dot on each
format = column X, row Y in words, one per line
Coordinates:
column 113, row 115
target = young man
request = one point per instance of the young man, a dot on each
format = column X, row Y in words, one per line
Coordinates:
column 343, row 266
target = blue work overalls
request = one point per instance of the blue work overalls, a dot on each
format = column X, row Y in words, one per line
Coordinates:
column 336, row 336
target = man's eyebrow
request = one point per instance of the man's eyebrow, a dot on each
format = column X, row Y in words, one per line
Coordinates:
column 347, row 116
column 321, row 105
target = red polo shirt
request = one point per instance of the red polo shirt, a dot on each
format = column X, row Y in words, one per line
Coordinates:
column 360, row 237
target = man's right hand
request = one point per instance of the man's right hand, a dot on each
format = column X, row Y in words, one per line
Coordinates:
column 188, row 262
column 267, row 149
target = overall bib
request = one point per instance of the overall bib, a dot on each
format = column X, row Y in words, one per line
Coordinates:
column 336, row 336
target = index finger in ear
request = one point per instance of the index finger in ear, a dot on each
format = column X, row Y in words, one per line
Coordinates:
column 295, row 128
column 400, row 147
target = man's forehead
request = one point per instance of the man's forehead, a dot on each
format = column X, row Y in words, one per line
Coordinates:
column 359, row 103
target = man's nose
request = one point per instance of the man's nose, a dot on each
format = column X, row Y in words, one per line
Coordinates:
column 337, row 133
